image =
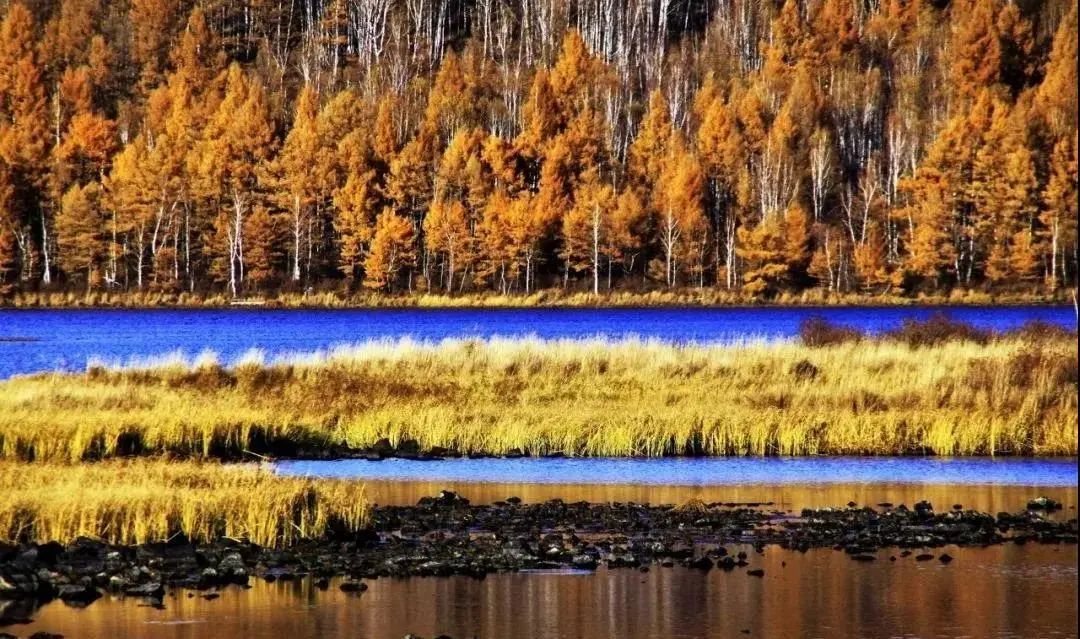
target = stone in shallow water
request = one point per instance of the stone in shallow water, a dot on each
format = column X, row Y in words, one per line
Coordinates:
column 1044, row 503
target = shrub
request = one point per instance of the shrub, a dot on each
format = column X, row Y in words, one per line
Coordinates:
column 817, row 332
column 937, row 330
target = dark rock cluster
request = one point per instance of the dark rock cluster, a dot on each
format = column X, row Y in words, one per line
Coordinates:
column 446, row 535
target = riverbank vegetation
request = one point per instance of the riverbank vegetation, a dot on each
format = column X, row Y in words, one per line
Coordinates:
column 932, row 388
column 760, row 148
column 138, row 501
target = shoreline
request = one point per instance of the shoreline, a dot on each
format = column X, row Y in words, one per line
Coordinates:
column 548, row 298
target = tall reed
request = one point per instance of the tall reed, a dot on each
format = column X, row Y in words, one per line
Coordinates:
column 138, row 501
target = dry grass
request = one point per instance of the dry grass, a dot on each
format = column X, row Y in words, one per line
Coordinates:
column 708, row 296
column 138, row 501
column 1016, row 395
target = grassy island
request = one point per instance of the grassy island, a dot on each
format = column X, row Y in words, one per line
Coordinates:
column 944, row 390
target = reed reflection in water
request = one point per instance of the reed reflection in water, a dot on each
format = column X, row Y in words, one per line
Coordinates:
column 1002, row 591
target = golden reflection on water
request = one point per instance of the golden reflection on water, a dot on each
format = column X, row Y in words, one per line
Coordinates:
column 986, row 498
column 1002, row 591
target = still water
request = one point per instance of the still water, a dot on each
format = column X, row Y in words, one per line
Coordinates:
column 993, row 593
column 44, row 340
column 984, row 484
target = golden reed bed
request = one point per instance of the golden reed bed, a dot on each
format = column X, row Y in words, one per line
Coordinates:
column 137, row 501
column 1013, row 395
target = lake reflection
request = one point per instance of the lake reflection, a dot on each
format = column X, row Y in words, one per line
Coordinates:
column 1002, row 591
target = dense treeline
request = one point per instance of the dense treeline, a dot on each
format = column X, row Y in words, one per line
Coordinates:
column 506, row 145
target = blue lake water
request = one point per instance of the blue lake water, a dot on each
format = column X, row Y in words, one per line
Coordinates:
column 43, row 340
column 803, row 471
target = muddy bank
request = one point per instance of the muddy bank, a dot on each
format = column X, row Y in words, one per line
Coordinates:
column 446, row 535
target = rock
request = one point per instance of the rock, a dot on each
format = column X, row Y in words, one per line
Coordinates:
column 945, row 558
column 924, row 557
column 151, row 589
column 78, row 594
column 232, row 562
column 10, row 588
column 701, row 563
column 352, row 586
column 756, row 572
column 924, row 509
column 1044, row 503
column 383, row 448
column 584, row 562
column 48, row 553
column 210, row 596
column 46, row 635
column 864, row 557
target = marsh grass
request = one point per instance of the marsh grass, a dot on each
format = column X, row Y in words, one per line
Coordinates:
column 1014, row 395
column 137, row 501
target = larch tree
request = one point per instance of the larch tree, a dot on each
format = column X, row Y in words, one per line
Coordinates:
column 1059, row 215
column 392, row 249
column 631, row 229
column 24, row 137
column 447, row 228
column 79, row 226
column 298, row 173
column 720, row 147
column 646, row 156
column 237, row 140
column 1003, row 188
column 587, row 228
column 9, row 237
column 354, row 219
column 681, row 221
column 776, row 252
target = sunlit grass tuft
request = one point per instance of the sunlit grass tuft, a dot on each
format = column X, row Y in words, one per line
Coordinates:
column 139, row 501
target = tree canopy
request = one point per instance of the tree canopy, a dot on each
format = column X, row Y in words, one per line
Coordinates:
column 202, row 145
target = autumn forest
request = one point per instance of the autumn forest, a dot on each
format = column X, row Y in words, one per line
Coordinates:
column 851, row 146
